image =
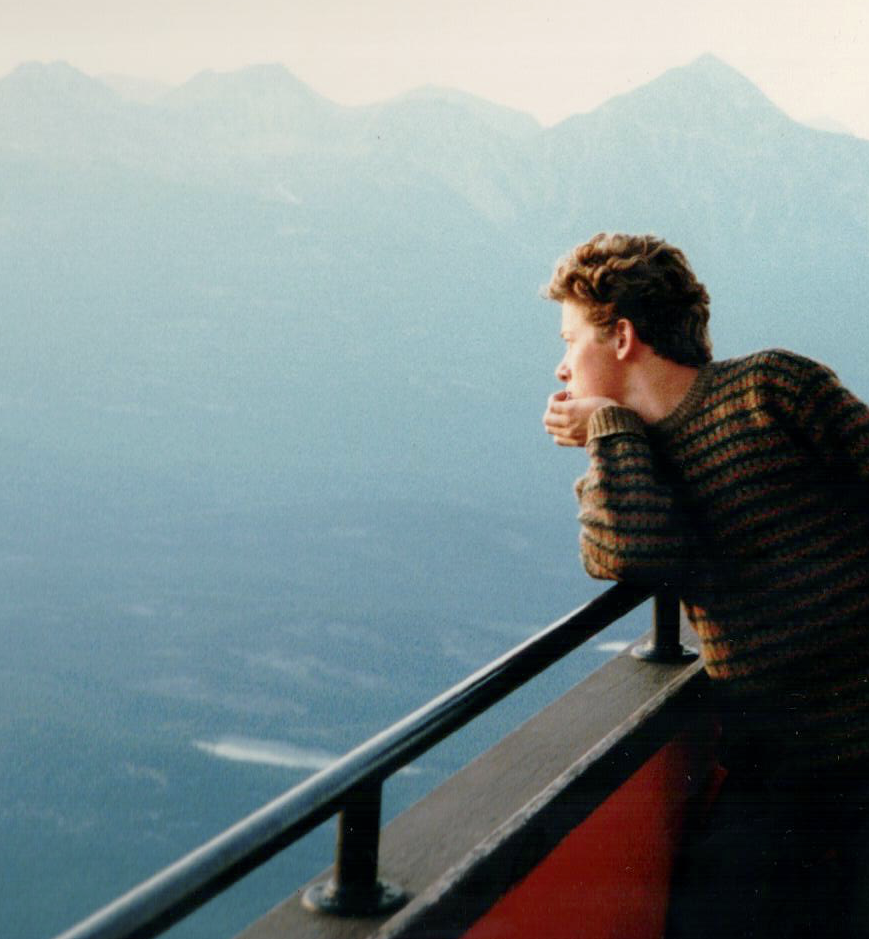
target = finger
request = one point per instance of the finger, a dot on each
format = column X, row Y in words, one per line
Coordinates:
column 557, row 410
column 555, row 425
column 566, row 441
column 559, row 406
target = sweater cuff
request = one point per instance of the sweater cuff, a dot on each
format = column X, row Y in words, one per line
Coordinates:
column 612, row 419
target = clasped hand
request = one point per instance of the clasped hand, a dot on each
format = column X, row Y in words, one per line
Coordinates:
column 566, row 418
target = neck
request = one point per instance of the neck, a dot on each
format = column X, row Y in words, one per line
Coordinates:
column 655, row 387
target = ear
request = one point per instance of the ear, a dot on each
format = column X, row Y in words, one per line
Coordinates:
column 626, row 338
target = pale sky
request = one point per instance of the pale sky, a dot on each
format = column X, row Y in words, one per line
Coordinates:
column 551, row 58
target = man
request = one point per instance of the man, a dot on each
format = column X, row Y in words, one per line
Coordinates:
column 743, row 482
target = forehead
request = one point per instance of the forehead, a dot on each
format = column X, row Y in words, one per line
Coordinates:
column 575, row 315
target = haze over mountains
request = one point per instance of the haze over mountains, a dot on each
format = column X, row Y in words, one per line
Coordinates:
column 247, row 277
column 273, row 372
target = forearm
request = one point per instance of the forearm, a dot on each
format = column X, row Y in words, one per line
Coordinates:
column 632, row 526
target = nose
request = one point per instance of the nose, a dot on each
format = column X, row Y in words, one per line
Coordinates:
column 562, row 372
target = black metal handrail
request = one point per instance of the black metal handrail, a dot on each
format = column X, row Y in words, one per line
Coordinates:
column 352, row 786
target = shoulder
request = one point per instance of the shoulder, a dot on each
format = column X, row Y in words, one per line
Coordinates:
column 775, row 371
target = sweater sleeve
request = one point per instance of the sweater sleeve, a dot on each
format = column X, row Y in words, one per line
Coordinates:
column 632, row 527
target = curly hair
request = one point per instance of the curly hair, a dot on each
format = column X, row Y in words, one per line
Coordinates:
column 643, row 279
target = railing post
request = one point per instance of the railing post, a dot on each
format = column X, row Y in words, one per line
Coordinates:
column 665, row 645
column 354, row 889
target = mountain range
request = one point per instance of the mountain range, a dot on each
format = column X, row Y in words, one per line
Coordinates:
column 243, row 283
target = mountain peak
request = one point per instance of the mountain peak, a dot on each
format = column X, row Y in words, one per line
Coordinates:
column 712, row 65
column 716, row 73
column 41, row 71
column 706, row 91
column 56, row 81
column 269, row 81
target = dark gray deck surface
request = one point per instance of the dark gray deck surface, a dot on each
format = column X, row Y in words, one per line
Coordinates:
column 533, row 786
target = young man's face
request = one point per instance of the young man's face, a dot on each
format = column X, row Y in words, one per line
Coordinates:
column 590, row 367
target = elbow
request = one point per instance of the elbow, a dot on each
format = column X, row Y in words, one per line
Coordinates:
column 604, row 564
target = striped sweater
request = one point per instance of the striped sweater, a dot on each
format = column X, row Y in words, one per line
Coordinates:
column 752, row 497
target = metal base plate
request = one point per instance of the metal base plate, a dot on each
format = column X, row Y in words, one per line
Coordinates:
column 675, row 655
column 327, row 898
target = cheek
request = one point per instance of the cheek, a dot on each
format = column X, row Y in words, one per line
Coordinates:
column 586, row 364
column 592, row 373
